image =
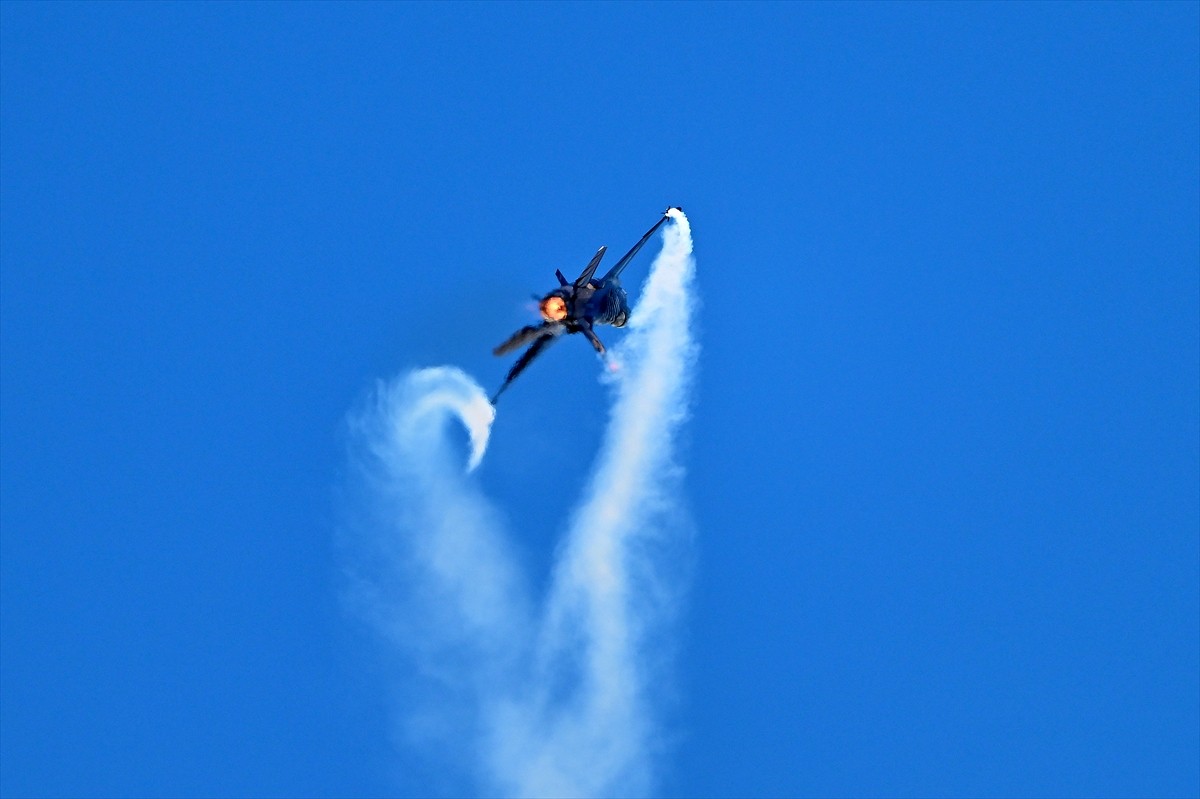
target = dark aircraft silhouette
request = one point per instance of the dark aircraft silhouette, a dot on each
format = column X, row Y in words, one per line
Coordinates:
column 575, row 308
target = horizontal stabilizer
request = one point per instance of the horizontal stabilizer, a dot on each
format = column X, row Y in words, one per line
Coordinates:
column 587, row 330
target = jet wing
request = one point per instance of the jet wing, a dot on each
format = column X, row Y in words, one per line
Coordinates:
column 546, row 338
column 624, row 262
column 590, row 269
column 522, row 337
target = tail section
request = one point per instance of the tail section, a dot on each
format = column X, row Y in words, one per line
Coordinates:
column 590, row 269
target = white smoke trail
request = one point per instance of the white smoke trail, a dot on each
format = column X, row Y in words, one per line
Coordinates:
column 556, row 705
column 426, row 565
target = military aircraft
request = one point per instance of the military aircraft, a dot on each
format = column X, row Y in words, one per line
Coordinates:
column 575, row 308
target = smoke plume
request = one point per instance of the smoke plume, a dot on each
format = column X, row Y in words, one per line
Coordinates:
column 545, row 696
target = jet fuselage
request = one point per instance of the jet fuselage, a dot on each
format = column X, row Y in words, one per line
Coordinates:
column 602, row 304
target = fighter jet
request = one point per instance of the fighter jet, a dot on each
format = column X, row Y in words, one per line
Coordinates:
column 575, row 308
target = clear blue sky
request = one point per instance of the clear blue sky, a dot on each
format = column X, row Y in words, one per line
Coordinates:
column 945, row 457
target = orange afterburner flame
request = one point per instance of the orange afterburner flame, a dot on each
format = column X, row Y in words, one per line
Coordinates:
column 554, row 309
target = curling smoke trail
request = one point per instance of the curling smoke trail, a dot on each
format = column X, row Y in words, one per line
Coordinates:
column 556, row 705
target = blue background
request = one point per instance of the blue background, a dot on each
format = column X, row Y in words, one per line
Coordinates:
column 944, row 459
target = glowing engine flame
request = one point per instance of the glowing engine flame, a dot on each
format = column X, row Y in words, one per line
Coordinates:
column 554, row 309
